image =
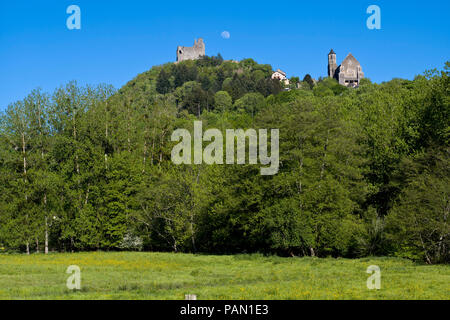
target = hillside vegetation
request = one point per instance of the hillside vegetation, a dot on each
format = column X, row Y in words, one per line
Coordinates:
column 362, row 171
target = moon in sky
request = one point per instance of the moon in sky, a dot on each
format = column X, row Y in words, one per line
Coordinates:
column 225, row 35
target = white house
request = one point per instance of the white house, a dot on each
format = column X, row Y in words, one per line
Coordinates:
column 280, row 75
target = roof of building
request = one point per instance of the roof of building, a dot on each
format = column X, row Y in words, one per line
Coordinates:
column 350, row 59
column 280, row 71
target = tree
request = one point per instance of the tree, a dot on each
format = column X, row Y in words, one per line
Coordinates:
column 418, row 223
column 18, row 133
column 308, row 79
column 222, row 101
column 163, row 83
column 250, row 103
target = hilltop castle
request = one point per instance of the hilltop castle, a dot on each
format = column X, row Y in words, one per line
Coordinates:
column 349, row 73
column 191, row 53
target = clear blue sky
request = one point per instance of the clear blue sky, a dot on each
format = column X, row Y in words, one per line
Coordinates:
column 120, row 39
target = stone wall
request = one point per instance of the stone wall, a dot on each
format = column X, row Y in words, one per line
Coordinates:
column 191, row 53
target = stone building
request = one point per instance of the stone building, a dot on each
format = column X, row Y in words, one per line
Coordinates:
column 280, row 75
column 349, row 73
column 191, row 53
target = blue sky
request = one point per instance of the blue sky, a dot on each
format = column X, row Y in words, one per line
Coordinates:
column 120, row 39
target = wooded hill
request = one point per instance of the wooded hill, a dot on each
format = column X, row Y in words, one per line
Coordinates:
column 362, row 171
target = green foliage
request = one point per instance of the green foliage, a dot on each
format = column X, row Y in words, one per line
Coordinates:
column 418, row 223
column 362, row 171
column 163, row 85
column 250, row 103
column 308, row 79
column 222, row 101
column 328, row 87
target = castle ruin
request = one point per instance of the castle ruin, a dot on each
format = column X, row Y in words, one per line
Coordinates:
column 349, row 73
column 191, row 53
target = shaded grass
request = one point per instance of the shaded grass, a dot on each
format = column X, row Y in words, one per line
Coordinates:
column 135, row 275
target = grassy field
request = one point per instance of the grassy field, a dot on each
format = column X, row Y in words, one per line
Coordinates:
column 170, row 276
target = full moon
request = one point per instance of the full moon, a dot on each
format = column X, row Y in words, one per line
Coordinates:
column 225, row 35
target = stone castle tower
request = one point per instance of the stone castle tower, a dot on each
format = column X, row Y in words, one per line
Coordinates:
column 332, row 65
column 191, row 53
column 349, row 73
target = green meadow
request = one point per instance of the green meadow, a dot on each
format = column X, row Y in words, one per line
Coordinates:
column 135, row 275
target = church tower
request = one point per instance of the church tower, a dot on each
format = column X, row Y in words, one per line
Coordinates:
column 332, row 65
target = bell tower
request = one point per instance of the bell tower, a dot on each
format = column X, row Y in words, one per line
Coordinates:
column 332, row 65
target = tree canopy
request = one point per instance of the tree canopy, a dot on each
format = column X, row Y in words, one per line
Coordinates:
column 363, row 171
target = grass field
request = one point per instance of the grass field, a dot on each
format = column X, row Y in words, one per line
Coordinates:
column 132, row 275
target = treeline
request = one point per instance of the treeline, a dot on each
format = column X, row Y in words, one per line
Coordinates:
column 362, row 171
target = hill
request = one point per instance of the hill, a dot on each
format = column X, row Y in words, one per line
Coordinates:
column 362, row 171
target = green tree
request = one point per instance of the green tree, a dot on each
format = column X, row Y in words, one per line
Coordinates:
column 308, row 79
column 163, row 83
column 222, row 101
column 250, row 103
column 418, row 223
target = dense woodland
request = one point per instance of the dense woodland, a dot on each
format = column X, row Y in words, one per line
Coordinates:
column 363, row 171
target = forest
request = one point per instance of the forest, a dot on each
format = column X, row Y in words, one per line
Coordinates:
column 362, row 172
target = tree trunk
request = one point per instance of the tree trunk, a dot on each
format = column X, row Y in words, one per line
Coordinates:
column 25, row 181
column 106, row 134
column 128, row 126
column 175, row 249
column 192, row 234
column 145, row 146
column 441, row 243
column 24, row 157
column 46, row 236
column 161, row 142
column 45, row 193
column 74, row 127
column 153, row 144
column 322, row 168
